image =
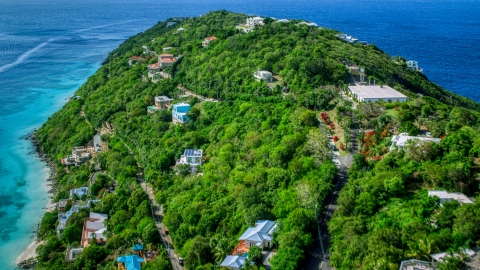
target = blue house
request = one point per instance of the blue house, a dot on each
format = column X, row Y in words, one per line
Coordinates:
column 131, row 262
column 179, row 113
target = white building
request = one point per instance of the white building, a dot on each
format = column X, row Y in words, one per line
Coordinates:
column 263, row 75
column 372, row 93
column 78, row 191
column 448, row 196
column 403, row 139
column 416, row 265
column 254, row 21
column 309, row 24
column 94, row 226
column 192, row 157
column 79, row 156
column 260, row 235
column 413, row 65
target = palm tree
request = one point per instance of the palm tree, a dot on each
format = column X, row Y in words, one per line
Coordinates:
column 422, row 249
column 221, row 250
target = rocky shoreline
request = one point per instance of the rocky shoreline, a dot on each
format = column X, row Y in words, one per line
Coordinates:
column 51, row 181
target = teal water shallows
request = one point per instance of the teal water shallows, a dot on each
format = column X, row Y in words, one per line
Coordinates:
column 48, row 48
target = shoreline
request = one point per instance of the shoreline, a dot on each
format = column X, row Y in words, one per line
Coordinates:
column 28, row 256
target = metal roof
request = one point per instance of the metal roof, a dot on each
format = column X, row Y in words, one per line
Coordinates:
column 375, row 91
column 262, row 231
column 193, row 153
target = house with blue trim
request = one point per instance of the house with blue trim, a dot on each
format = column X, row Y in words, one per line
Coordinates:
column 179, row 113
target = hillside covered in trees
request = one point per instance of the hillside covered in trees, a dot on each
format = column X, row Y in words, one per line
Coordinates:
column 266, row 153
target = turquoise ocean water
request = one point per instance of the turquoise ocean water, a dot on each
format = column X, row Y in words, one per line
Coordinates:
column 48, row 48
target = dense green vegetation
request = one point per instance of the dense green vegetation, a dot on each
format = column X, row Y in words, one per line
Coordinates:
column 265, row 155
column 385, row 214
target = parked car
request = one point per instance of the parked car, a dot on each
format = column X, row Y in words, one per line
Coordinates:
column 180, row 261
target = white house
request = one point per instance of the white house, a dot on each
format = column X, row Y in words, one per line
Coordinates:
column 254, row 21
column 448, row 196
column 192, row 157
column 94, row 226
column 260, row 235
column 79, row 191
column 283, row 21
column 403, row 139
column 372, row 93
column 263, row 75
column 79, row 156
column 413, row 65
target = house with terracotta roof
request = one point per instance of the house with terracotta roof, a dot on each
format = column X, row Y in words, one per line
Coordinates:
column 94, row 226
column 154, row 67
column 166, row 60
column 136, row 59
column 208, row 40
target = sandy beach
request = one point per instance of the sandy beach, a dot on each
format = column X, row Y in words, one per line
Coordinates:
column 30, row 252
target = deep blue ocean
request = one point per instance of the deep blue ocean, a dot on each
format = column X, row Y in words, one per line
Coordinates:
column 48, row 48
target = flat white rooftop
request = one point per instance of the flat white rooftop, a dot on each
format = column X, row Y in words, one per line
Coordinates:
column 375, row 91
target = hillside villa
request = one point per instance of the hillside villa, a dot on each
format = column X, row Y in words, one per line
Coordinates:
column 403, row 139
column 130, row 262
column 445, row 196
column 192, row 157
column 79, row 156
column 261, row 235
column 208, row 40
column 436, row 258
column 263, row 75
column 161, row 103
column 94, row 226
column 179, row 113
column 135, row 59
column 78, row 191
column 372, row 93
column 250, row 24
column 166, row 60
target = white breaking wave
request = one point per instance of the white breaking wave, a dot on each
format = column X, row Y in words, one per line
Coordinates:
column 22, row 58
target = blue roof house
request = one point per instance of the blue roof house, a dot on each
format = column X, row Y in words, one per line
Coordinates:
column 179, row 113
column 233, row 262
column 260, row 235
column 131, row 262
